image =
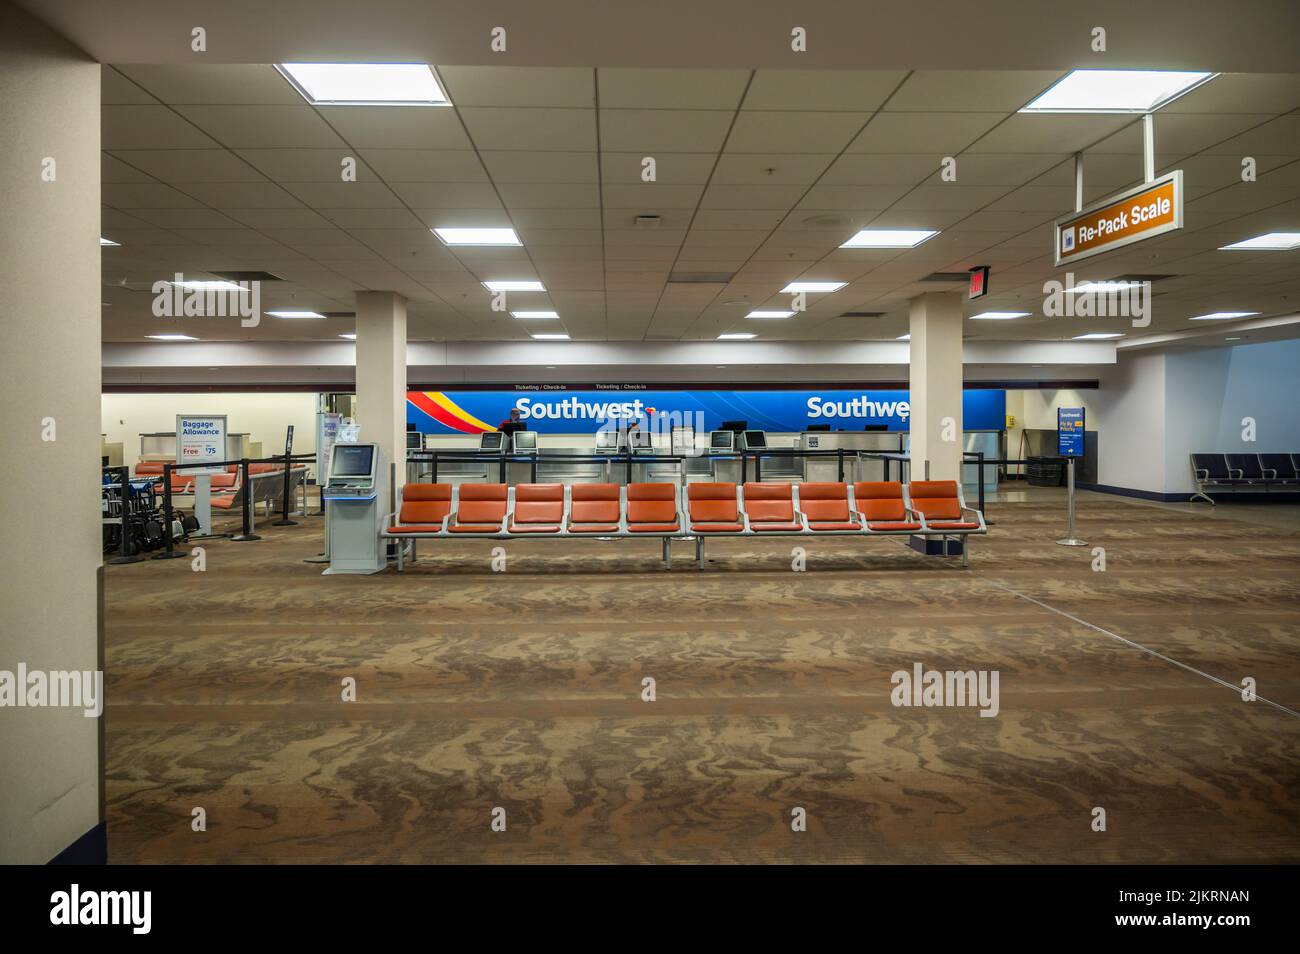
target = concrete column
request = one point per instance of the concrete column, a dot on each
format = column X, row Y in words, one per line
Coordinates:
column 381, row 373
column 50, row 562
column 936, row 379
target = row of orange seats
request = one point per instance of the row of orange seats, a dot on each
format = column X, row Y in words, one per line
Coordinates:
column 697, row 510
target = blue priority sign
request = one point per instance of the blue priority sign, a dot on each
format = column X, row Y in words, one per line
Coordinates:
column 1069, row 431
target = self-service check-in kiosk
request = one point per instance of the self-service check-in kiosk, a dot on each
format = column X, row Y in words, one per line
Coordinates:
column 356, row 504
column 724, row 470
column 640, row 443
column 611, row 442
column 493, row 442
column 521, row 471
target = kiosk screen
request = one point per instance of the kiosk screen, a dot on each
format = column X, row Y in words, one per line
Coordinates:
column 352, row 460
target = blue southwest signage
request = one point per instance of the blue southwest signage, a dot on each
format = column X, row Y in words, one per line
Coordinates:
column 575, row 412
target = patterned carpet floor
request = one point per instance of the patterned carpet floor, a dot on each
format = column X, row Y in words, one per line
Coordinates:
column 522, row 690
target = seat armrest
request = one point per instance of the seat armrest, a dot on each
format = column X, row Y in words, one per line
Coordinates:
column 979, row 517
column 1269, row 472
column 1201, row 473
column 1235, row 474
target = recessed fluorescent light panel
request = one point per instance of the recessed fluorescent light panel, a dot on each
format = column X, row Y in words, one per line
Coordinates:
column 536, row 314
column 770, row 314
column 1224, row 315
column 295, row 314
column 1098, row 336
column 508, row 285
column 350, row 335
column 1273, row 241
column 889, row 238
column 736, row 336
column 172, row 337
column 551, row 337
column 1116, row 91
column 906, row 337
column 815, row 287
column 482, row 237
column 365, row 84
column 999, row 315
column 1103, row 287
column 104, row 241
column 217, row 284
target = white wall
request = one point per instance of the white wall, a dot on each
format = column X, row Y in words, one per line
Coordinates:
column 1130, row 421
column 264, row 416
column 1154, row 409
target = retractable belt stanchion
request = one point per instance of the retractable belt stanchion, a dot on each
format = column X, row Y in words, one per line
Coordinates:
column 246, row 504
column 170, row 553
column 284, row 520
column 839, row 460
column 1070, row 539
column 124, row 544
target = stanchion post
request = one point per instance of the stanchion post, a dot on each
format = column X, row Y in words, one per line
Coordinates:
column 1070, row 539
column 284, row 520
column 124, row 552
column 170, row 553
column 246, row 504
column 839, row 457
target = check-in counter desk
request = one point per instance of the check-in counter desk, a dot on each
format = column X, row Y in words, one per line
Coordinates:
column 819, row 468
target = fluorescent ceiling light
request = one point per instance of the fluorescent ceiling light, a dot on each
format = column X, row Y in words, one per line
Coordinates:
column 295, row 314
column 219, row 284
column 999, row 315
column 736, row 335
column 795, row 287
column 104, row 241
column 1238, row 338
column 1273, row 241
column 889, row 238
column 550, row 336
column 171, row 337
column 536, row 314
column 365, row 84
column 1104, row 287
column 1098, row 336
column 1224, row 315
column 1116, row 91
column 350, row 335
column 478, row 236
column 906, row 337
column 770, row 314
column 512, row 285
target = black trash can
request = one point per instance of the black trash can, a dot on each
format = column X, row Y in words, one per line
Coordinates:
column 1046, row 471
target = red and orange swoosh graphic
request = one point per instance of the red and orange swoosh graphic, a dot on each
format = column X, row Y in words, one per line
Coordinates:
column 447, row 412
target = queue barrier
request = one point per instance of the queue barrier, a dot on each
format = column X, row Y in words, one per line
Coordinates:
column 698, row 511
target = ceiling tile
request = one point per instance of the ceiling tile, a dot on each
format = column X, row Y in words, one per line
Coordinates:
column 542, row 130
column 262, row 126
column 397, row 127
column 215, row 83
column 943, row 133
column 671, row 89
column 519, row 85
column 850, row 90
column 798, row 132
column 663, row 130
column 149, row 127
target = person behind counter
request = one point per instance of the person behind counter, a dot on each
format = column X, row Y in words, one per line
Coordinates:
column 513, row 423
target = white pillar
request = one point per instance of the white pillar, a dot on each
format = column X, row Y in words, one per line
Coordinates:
column 381, row 373
column 936, row 386
column 50, row 561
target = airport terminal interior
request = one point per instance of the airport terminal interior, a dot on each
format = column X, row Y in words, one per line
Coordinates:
column 650, row 434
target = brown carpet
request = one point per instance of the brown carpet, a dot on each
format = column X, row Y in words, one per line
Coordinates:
column 522, row 690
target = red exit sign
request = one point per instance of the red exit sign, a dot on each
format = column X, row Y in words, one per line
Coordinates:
column 979, row 281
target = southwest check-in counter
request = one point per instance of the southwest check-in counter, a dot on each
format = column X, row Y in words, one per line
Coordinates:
column 565, row 441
